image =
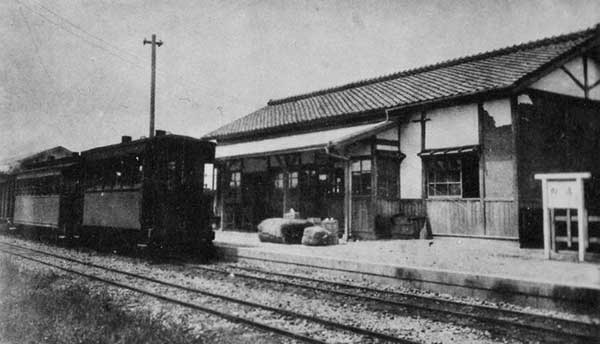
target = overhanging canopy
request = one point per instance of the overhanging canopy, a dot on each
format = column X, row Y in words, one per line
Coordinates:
column 301, row 142
column 448, row 151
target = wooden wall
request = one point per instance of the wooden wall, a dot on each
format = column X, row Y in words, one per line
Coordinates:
column 465, row 216
column 363, row 219
column 456, row 216
column 557, row 134
column 501, row 218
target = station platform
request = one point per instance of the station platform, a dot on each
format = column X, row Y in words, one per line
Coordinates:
column 479, row 268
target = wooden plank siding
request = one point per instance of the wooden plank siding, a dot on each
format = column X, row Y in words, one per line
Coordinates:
column 464, row 217
column 412, row 207
column 363, row 220
column 501, row 218
column 455, row 216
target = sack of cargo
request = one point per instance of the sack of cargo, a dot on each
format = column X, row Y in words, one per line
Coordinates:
column 285, row 231
column 318, row 236
column 331, row 225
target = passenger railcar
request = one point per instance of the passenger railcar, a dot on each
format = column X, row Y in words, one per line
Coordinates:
column 47, row 198
column 7, row 200
column 147, row 192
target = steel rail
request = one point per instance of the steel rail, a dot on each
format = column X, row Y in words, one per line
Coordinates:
column 325, row 322
column 230, row 317
column 532, row 321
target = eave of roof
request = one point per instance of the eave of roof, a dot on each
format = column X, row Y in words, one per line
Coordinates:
column 491, row 73
column 141, row 142
column 316, row 140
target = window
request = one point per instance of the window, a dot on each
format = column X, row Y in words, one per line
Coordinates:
column 235, row 180
column 46, row 185
column 172, row 175
column 361, row 177
column 337, row 182
column 293, row 180
column 279, row 181
column 209, row 176
column 388, row 171
column 453, row 176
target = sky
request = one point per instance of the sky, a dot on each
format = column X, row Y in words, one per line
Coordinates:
column 76, row 74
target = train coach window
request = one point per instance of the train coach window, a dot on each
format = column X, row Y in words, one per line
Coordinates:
column 95, row 180
column 134, row 171
column 172, row 175
column 209, row 176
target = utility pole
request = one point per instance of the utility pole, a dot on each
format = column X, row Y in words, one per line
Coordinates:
column 154, row 43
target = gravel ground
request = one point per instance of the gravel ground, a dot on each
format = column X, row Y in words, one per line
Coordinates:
column 591, row 317
column 491, row 257
column 413, row 327
column 208, row 328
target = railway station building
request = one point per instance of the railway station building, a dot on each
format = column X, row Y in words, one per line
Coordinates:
column 453, row 146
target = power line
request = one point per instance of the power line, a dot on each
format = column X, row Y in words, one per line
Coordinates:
column 83, row 33
column 35, row 43
column 78, row 35
column 105, row 42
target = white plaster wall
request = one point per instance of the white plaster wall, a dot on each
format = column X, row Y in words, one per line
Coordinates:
column 559, row 82
column 594, row 75
column 498, row 150
column 452, row 127
column 499, row 110
column 410, row 168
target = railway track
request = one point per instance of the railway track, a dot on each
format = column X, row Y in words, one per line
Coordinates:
column 397, row 301
column 362, row 335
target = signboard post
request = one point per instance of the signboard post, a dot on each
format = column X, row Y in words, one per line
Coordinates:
column 564, row 191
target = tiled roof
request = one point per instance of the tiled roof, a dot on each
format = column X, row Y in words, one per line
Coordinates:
column 489, row 71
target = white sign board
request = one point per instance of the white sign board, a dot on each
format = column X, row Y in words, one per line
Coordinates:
column 563, row 194
column 564, row 191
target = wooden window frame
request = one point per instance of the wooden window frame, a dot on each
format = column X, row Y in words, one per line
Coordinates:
column 363, row 187
column 462, row 160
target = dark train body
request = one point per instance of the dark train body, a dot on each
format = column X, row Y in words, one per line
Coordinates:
column 46, row 197
column 142, row 193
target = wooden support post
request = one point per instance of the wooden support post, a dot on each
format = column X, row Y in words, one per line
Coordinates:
column 347, row 199
column 220, row 197
column 569, row 233
column 586, row 86
column 285, row 190
column 581, row 224
column 552, row 231
column 154, row 43
column 580, row 234
column 480, row 121
column 423, row 121
column 546, row 219
column 586, row 228
column 514, row 112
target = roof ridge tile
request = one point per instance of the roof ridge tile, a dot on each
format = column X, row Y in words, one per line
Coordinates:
column 445, row 63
